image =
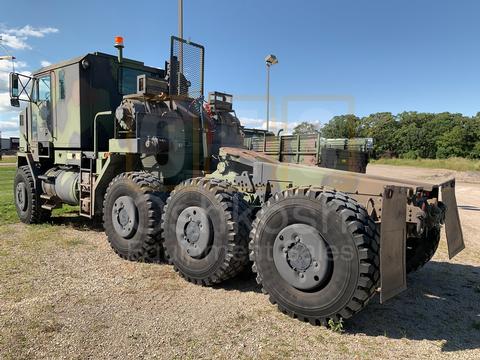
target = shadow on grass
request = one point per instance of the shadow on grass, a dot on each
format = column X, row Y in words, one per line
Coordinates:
column 441, row 304
column 244, row 282
column 72, row 219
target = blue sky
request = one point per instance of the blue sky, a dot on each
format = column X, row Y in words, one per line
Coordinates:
column 335, row 57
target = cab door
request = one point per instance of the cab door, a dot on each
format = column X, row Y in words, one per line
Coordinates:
column 42, row 124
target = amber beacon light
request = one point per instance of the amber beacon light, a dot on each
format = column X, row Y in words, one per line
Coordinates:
column 118, row 41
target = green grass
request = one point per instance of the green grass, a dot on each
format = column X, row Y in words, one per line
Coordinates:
column 8, row 159
column 457, row 164
column 8, row 214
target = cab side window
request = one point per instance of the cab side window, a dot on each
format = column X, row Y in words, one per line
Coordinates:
column 44, row 88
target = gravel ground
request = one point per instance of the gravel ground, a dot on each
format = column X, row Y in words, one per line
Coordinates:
column 65, row 294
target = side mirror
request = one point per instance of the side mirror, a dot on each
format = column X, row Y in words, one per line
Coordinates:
column 20, row 88
column 14, row 88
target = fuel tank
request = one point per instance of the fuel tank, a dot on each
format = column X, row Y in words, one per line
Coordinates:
column 62, row 184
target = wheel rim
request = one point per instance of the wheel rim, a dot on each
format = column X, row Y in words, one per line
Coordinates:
column 193, row 231
column 21, row 196
column 124, row 216
column 301, row 256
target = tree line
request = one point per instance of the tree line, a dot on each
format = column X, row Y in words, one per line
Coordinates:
column 408, row 135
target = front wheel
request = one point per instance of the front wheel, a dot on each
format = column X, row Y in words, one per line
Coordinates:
column 315, row 253
column 27, row 199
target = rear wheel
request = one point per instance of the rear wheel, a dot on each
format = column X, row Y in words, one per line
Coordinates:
column 131, row 215
column 27, row 200
column 420, row 250
column 315, row 253
column 205, row 231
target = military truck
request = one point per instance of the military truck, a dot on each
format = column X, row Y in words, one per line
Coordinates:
column 165, row 169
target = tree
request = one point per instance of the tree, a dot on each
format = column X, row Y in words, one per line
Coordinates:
column 453, row 143
column 305, row 128
column 342, row 126
column 382, row 127
column 412, row 134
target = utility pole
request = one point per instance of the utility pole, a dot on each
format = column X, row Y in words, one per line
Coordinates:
column 268, row 97
column 269, row 61
column 9, row 56
column 180, row 35
column 180, row 19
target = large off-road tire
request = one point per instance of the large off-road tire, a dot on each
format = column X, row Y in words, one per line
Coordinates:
column 27, row 200
column 420, row 250
column 315, row 253
column 132, row 209
column 205, row 231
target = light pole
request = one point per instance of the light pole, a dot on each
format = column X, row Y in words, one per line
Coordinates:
column 180, row 19
column 180, row 35
column 9, row 56
column 269, row 61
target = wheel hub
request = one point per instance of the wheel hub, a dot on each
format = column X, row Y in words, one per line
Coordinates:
column 21, row 196
column 300, row 255
column 124, row 216
column 194, row 231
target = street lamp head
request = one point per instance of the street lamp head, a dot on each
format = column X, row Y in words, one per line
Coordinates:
column 271, row 60
column 7, row 57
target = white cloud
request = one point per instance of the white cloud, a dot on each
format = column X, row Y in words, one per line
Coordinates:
column 9, row 125
column 252, row 122
column 6, row 68
column 30, row 31
column 45, row 63
column 14, row 42
column 274, row 126
column 5, row 102
column 16, row 38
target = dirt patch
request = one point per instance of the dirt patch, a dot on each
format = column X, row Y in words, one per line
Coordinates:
column 65, row 294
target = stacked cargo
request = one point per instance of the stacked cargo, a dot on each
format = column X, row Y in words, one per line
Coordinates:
column 312, row 149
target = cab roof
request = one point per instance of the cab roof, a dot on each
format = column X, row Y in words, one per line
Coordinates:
column 78, row 59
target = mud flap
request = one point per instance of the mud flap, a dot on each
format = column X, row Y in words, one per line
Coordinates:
column 393, row 242
column 453, row 228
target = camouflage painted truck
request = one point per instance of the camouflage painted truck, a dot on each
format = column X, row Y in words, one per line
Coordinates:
column 165, row 170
